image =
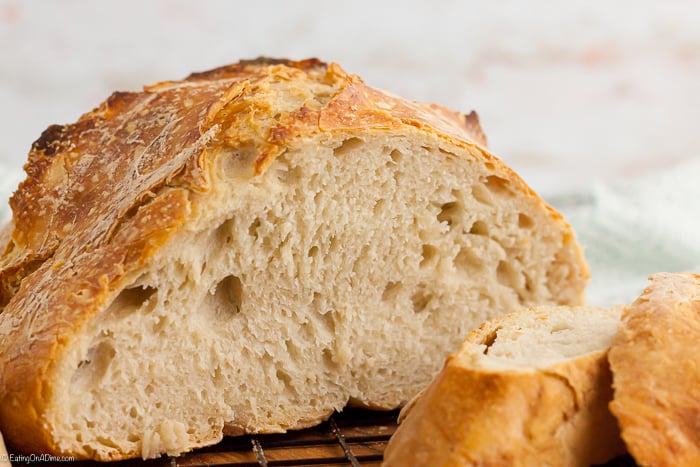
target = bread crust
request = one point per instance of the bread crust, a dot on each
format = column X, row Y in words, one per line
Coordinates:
column 473, row 416
column 656, row 366
column 102, row 195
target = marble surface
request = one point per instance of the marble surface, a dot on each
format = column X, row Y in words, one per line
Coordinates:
column 566, row 94
column 574, row 97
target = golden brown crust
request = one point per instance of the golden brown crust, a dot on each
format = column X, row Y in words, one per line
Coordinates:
column 84, row 177
column 656, row 366
column 103, row 194
column 361, row 106
column 474, row 416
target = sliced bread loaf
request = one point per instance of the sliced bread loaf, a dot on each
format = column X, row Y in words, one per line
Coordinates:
column 530, row 388
column 249, row 249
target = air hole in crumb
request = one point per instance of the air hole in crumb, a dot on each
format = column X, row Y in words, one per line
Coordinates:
column 525, row 221
column 560, row 328
column 449, row 213
column 420, row 300
column 253, row 228
column 348, row 145
column 467, row 261
column 507, row 275
column 133, row 298
column 133, row 413
column 497, row 185
column 359, row 265
column 479, row 228
column 490, row 339
column 289, row 175
column 132, row 438
column 482, row 195
column 319, row 198
column 328, row 320
column 313, row 251
column 224, row 233
column 284, row 377
column 107, row 442
column 317, row 300
column 229, row 295
column 447, row 153
column 486, row 299
column 391, row 291
column 328, row 357
column 333, row 245
column 95, row 364
column 379, row 207
column 428, row 254
column 395, row 156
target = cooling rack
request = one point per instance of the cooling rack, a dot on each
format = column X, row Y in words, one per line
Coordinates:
column 354, row 437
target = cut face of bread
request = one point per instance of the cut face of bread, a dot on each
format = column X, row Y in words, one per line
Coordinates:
column 656, row 363
column 542, row 339
column 530, row 388
column 250, row 249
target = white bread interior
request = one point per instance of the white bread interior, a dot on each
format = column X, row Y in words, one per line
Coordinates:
column 551, row 335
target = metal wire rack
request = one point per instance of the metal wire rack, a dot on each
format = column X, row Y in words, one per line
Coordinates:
column 355, row 438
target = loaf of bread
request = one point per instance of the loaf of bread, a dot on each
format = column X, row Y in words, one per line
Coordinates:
column 530, row 388
column 248, row 250
column 655, row 358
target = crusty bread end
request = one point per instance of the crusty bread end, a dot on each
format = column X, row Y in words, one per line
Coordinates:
column 655, row 359
column 530, row 388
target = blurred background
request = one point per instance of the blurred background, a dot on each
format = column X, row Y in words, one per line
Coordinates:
column 589, row 101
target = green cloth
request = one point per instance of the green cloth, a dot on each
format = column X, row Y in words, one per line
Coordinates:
column 632, row 229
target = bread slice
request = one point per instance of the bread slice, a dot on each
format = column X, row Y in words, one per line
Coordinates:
column 655, row 359
column 530, row 388
column 249, row 249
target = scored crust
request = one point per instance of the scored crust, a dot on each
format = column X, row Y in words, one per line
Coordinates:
column 103, row 195
column 655, row 359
